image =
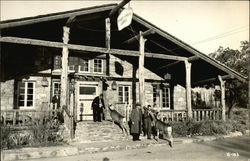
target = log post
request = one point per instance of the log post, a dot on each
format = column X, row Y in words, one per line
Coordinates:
column 223, row 102
column 64, row 74
column 64, row 79
column 141, row 71
column 188, row 88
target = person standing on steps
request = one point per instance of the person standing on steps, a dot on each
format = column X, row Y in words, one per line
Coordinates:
column 135, row 118
column 148, row 119
column 97, row 107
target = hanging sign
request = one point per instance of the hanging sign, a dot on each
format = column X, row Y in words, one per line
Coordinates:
column 125, row 18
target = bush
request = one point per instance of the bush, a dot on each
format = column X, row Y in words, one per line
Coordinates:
column 42, row 132
column 207, row 127
column 45, row 131
column 4, row 135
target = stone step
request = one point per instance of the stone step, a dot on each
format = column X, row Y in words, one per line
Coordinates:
column 91, row 132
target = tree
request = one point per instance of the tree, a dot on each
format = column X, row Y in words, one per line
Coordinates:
column 236, row 92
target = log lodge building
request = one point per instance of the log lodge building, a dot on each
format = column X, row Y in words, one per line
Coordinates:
column 79, row 54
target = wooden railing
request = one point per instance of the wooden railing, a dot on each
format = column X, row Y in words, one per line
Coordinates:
column 173, row 115
column 207, row 114
column 198, row 115
column 17, row 117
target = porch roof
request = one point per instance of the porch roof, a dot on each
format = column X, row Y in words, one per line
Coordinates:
column 165, row 53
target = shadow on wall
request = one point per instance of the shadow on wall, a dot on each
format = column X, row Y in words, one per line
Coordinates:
column 119, row 68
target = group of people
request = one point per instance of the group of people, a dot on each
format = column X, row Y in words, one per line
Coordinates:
column 141, row 120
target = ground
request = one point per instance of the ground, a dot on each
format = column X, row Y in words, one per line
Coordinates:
column 230, row 149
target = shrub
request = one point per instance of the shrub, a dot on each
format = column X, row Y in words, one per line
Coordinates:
column 45, row 131
column 4, row 135
column 206, row 127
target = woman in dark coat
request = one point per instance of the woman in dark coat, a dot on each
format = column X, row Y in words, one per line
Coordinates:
column 136, row 116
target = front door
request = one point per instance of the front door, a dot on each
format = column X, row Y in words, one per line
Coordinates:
column 86, row 94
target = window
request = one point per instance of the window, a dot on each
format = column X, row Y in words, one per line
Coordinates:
column 26, row 94
column 73, row 61
column 84, row 65
column 124, row 94
column 165, row 97
column 56, row 89
column 87, row 90
column 98, row 65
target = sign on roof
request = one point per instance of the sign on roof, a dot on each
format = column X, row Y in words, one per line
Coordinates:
column 125, row 18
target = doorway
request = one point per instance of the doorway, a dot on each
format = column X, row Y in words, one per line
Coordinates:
column 86, row 93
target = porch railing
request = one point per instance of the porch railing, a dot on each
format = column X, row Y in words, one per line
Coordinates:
column 207, row 114
column 173, row 115
column 17, row 117
column 198, row 115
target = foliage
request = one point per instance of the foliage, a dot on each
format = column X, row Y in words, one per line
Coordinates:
column 43, row 132
column 235, row 59
column 206, row 127
column 236, row 92
column 4, row 134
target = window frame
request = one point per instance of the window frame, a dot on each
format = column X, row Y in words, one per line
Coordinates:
column 53, row 88
column 101, row 67
column 123, row 94
column 166, row 99
column 88, row 67
column 26, row 94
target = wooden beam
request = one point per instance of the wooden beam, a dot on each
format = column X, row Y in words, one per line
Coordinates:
column 136, row 38
column 212, row 80
column 51, row 17
column 190, row 59
column 193, row 58
column 108, row 34
column 70, row 21
column 119, row 6
column 161, row 46
column 107, row 43
column 141, row 70
column 223, row 100
column 169, row 65
column 188, row 88
column 88, row 48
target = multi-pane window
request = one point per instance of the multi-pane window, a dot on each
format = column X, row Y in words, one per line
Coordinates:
column 165, row 97
column 123, row 94
column 72, row 63
column 26, row 94
column 98, row 65
column 56, row 88
column 84, row 65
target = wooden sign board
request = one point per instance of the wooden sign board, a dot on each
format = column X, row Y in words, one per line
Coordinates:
column 125, row 18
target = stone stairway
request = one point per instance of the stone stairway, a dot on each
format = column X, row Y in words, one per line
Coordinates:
column 93, row 132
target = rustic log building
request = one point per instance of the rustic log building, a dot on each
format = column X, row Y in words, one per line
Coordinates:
column 79, row 54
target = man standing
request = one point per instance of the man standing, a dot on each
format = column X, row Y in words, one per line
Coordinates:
column 97, row 107
column 136, row 117
column 148, row 121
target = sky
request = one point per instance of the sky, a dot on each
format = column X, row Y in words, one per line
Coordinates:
column 205, row 25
